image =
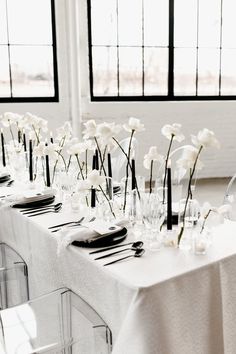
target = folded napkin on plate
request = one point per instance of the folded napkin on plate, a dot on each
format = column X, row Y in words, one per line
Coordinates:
column 33, row 199
column 82, row 234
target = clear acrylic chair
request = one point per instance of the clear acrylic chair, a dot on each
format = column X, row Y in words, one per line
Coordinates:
column 230, row 198
column 56, row 323
column 13, row 278
column 119, row 159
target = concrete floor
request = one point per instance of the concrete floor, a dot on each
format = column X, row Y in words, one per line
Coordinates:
column 211, row 190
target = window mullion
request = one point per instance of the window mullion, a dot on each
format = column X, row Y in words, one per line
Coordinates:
column 171, row 50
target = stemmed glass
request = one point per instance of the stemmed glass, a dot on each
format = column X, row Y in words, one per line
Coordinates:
column 153, row 213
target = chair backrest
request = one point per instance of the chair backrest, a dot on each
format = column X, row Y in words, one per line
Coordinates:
column 59, row 322
column 230, row 197
column 119, row 159
column 13, row 278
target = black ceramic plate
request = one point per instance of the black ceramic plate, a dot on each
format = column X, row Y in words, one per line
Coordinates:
column 108, row 240
column 38, row 203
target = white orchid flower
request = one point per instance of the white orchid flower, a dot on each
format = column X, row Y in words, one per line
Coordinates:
column 64, row 132
column 173, row 130
column 205, row 138
column 39, row 149
column 94, row 178
column 9, row 118
column 188, row 158
column 134, row 124
column 90, row 130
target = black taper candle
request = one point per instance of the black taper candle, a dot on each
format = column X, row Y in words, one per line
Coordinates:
column 97, row 159
column 3, row 149
column 93, row 191
column 48, row 182
column 24, row 142
column 19, row 136
column 109, row 165
column 169, row 199
column 30, row 161
column 133, row 180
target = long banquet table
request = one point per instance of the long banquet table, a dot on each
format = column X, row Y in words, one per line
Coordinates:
column 167, row 302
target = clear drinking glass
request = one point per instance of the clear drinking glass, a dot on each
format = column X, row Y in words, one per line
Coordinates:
column 153, row 213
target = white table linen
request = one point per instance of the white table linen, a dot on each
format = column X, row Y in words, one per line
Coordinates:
column 167, row 302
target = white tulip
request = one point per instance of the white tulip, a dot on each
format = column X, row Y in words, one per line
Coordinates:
column 51, row 151
column 108, row 130
column 152, row 155
column 39, row 149
column 76, row 149
column 64, row 132
column 174, row 131
column 134, row 124
column 9, row 118
column 205, row 138
column 89, row 145
column 37, row 122
column 188, row 158
column 90, row 130
column 95, row 179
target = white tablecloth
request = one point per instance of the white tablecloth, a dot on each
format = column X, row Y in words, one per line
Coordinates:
column 167, row 302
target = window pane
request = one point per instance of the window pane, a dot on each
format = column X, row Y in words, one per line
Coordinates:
column 4, row 72
column 185, row 26
column 229, row 24
column 32, row 71
column 105, row 71
column 208, row 71
column 3, row 22
column 130, row 22
column 156, row 23
column 130, row 63
column 104, row 22
column 156, row 71
column 228, row 72
column 209, row 23
column 185, row 72
column 29, row 21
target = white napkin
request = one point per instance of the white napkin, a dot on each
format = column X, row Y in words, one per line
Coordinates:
column 81, row 234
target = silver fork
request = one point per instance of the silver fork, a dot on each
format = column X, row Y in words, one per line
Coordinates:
column 75, row 224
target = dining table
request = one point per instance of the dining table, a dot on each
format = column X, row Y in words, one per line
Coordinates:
column 169, row 301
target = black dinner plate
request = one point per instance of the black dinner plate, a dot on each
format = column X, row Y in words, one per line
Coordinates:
column 108, row 240
column 39, row 203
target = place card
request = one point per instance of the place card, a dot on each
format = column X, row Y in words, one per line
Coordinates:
column 102, row 227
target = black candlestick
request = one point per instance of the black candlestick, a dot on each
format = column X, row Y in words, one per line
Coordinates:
column 24, row 142
column 133, row 180
column 93, row 191
column 97, row 160
column 109, row 185
column 109, row 165
column 169, row 200
column 30, row 161
column 48, row 183
column 19, row 136
column 3, row 150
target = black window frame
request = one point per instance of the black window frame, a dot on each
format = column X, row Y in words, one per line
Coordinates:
column 170, row 96
column 54, row 98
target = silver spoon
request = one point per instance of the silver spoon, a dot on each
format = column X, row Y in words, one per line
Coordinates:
column 138, row 245
column 52, row 207
column 46, row 212
column 117, row 246
column 138, row 253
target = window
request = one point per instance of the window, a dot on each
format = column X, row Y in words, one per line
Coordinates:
column 162, row 49
column 28, row 67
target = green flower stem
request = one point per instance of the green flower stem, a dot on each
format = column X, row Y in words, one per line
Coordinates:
column 188, row 194
column 12, row 135
column 128, row 161
column 127, row 169
column 166, row 163
column 100, row 156
column 150, row 183
column 86, row 163
column 68, row 166
column 107, row 201
column 80, row 167
column 205, row 219
column 62, row 157
column 61, row 144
